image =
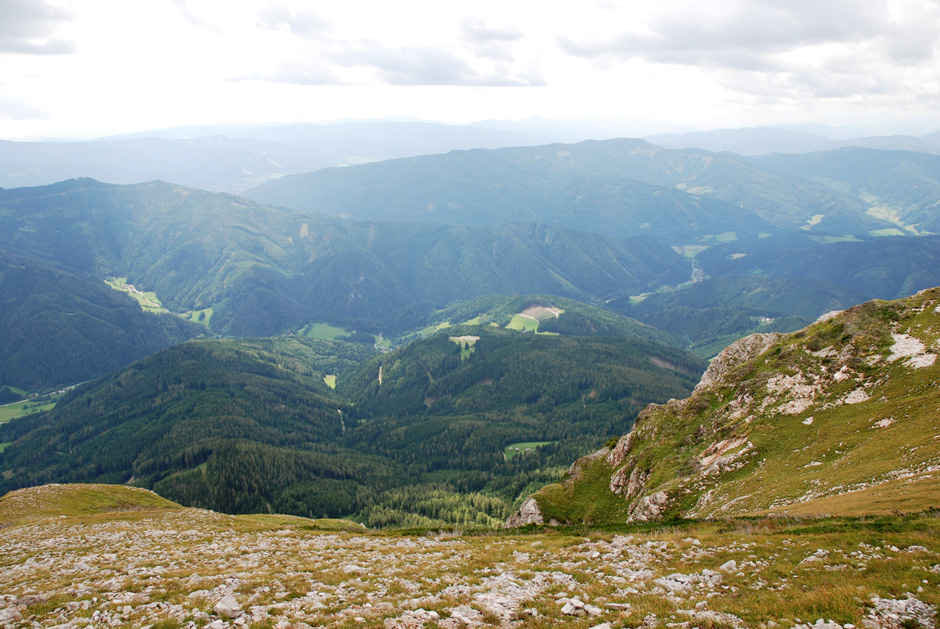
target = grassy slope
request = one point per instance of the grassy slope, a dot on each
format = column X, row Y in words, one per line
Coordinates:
column 873, row 421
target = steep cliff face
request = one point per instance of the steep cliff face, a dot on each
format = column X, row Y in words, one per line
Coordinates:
column 840, row 417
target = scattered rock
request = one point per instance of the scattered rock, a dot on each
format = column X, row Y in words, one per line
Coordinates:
column 227, row 607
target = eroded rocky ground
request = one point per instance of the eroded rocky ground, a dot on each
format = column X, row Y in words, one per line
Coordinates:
column 191, row 568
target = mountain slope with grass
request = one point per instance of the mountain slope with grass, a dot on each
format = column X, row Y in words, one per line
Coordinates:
column 839, row 417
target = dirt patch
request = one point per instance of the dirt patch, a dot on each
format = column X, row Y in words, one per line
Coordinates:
column 541, row 313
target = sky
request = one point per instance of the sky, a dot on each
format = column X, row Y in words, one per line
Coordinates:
column 92, row 68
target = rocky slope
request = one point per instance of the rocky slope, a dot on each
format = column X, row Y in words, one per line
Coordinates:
column 110, row 556
column 840, row 417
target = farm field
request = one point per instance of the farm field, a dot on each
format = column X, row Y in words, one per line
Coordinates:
column 27, row 407
column 514, row 449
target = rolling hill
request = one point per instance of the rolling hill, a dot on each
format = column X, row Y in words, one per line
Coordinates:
column 901, row 185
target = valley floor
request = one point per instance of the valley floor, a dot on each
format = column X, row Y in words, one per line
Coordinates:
column 151, row 563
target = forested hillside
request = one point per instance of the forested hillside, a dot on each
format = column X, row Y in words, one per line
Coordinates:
column 903, row 185
column 613, row 186
column 59, row 328
column 712, row 313
column 882, row 268
column 416, row 436
column 263, row 270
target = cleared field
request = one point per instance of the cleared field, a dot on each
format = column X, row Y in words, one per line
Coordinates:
column 514, row 449
column 466, row 344
column 330, row 381
column 891, row 231
column 323, row 331
column 528, row 320
column 522, row 323
column 199, row 316
column 148, row 300
column 28, row 407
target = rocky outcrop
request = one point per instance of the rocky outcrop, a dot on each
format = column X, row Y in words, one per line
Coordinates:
column 738, row 352
column 528, row 513
column 649, row 507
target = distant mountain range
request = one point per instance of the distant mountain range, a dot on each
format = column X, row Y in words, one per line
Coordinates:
column 591, row 221
column 627, row 187
column 233, row 159
column 266, row 271
column 236, row 158
column 767, row 140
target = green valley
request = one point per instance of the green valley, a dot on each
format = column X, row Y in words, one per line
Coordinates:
column 414, row 437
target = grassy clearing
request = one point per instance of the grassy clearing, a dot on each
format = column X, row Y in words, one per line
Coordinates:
column 816, row 219
column 891, row 231
column 523, row 324
column 514, row 449
column 466, row 344
column 726, row 237
column 28, row 407
column 325, row 331
column 199, row 316
column 148, row 300
column 330, row 381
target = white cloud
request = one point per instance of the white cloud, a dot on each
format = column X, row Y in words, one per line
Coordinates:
column 808, row 48
column 30, row 27
column 725, row 63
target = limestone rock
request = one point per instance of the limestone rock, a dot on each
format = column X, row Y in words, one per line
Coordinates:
column 528, row 513
column 227, row 607
column 738, row 352
column 649, row 507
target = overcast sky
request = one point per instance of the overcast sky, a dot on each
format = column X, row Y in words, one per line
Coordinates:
column 87, row 68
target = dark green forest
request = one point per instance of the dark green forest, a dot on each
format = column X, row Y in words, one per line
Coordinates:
column 250, row 426
column 265, row 270
column 58, row 328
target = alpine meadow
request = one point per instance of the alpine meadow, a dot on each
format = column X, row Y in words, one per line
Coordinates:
column 426, row 315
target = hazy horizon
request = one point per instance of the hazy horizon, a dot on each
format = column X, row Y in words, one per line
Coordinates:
column 82, row 69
